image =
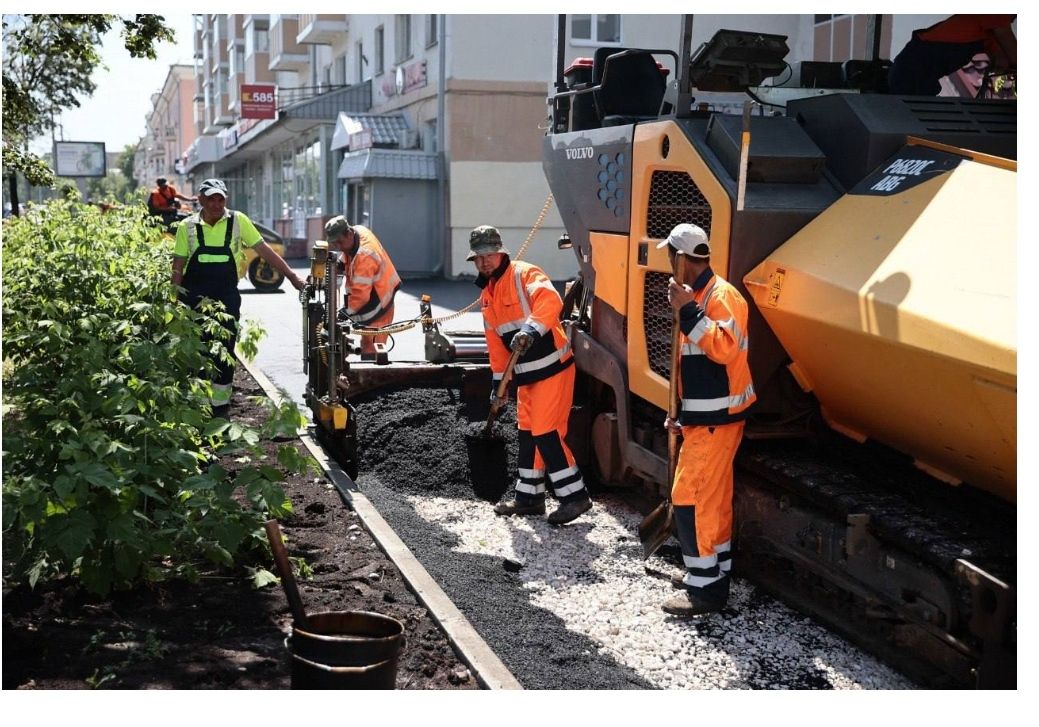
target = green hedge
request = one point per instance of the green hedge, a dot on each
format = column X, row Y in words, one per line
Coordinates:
column 107, row 438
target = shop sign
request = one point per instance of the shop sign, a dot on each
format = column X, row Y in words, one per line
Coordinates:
column 258, row 101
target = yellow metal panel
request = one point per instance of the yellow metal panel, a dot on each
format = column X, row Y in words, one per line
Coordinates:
column 901, row 312
column 648, row 157
column 610, row 262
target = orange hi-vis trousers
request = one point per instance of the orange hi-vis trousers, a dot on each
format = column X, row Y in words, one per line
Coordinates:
column 702, row 498
column 368, row 342
column 543, row 413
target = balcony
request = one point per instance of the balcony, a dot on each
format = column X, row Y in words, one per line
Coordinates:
column 321, row 29
column 286, row 53
column 257, row 69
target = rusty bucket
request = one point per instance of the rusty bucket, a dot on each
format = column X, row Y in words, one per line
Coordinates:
column 346, row 650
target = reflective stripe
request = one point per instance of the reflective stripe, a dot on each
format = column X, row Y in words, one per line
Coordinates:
column 544, row 361
column 691, row 349
column 523, row 299
column 196, row 219
column 556, row 476
column 504, row 328
column 702, row 562
column 541, row 328
column 701, row 581
column 531, row 474
column 569, row 489
column 383, row 305
column 721, row 402
column 361, row 279
column 538, row 489
column 207, row 258
column 724, row 556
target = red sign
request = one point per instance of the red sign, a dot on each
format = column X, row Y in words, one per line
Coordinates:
column 258, row 101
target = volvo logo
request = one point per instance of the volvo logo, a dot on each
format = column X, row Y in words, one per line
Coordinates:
column 581, row 152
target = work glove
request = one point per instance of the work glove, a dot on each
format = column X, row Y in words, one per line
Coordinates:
column 523, row 339
column 343, row 317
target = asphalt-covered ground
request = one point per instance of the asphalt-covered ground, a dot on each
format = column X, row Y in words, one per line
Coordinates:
column 573, row 607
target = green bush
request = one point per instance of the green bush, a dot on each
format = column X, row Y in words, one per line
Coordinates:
column 109, row 450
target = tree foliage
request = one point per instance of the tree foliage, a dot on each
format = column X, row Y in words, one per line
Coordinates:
column 47, row 67
column 110, row 471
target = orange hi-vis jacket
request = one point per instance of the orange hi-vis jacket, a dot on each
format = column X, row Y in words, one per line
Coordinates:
column 716, row 383
column 523, row 298
column 371, row 280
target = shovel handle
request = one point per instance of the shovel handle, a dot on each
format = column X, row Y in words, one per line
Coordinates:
column 673, row 381
column 288, row 581
column 503, row 386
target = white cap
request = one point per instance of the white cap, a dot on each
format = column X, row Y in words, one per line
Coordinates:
column 688, row 240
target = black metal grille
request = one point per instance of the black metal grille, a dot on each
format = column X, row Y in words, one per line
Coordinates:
column 656, row 321
column 673, row 199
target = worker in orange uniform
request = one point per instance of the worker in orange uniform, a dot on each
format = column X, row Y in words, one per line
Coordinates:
column 371, row 281
column 716, row 391
column 164, row 200
column 521, row 312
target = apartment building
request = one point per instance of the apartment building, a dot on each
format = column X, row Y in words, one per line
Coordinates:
column 425, row 126
column 170, row 128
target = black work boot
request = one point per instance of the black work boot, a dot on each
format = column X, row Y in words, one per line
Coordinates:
column 686, row 605
column 570, row 510
column 520, row 507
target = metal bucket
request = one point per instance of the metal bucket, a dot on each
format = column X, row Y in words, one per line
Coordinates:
column 346, row 650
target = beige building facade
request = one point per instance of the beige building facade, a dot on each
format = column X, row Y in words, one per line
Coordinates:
column 425, row 126
column 170, row 128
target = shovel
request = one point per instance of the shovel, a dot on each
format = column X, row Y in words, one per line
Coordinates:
column 656, row 528
column 288, row 581
column 488, row 464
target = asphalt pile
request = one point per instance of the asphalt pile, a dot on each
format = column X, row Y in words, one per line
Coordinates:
column 576, row 607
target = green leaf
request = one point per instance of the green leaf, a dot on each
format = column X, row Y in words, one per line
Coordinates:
column 71, row 533
column 261, row 578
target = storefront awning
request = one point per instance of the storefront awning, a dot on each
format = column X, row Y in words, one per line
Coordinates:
column 388, row 163
column 385, row 129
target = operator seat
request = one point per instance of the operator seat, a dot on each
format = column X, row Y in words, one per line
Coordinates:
column 629, row 86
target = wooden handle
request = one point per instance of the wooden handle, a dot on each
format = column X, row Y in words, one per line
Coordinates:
column 288, row 581
column 503, row 385
column 674, row 407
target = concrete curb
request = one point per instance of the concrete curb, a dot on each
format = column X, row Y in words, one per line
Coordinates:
column 489, row 670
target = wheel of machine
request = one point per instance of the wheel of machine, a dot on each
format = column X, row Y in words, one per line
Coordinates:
column 264, row 277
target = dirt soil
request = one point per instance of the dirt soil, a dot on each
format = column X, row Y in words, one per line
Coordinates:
column 221, row 633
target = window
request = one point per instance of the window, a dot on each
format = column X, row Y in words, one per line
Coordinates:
column 429, row 143
column 431, row 30
column 402, row 38
column 339, row 74
column 380, row 38
column 597, row 29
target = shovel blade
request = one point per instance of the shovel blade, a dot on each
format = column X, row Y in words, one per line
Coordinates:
column 488, row 466
column 655, row 528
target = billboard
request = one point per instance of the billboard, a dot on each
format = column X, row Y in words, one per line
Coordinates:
column 80, row 159
column 258, row 101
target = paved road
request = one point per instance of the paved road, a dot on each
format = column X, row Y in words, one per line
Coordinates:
column 280, row 354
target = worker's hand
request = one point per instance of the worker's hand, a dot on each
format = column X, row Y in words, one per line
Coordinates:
column 343, row 317
column 521, row 342
column 297, row 282
column 497, row 403
column 672, row 426
column 679, row 295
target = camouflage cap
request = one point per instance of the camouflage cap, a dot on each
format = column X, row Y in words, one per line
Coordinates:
column 484, row 240
column 336, row 228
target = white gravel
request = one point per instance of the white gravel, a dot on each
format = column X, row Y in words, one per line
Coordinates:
column 591, row 575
